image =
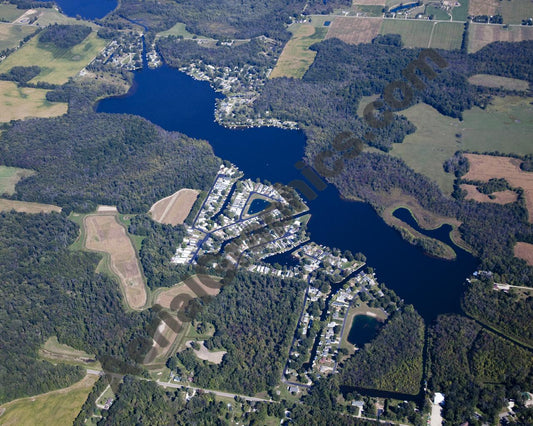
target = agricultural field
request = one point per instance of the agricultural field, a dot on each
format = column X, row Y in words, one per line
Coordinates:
column 296, row 57
column 485, row 167
column 9, row 12
column 54, row 351
column 59, row 407
column 11, row 35
column 23, row 102
column 500, row 197
column 369, row 2
column 484, row 7
column 9, row 176
column 58, row 65
column 413, row 33
column 482, row 34
column 514, row 11
column 27, row 207
column 460, row 13
column 355, row 30
column 447, row 35
column 524, row 251
column 504, row 126
column 174, row 209
column 103, row 233
column 494, row 81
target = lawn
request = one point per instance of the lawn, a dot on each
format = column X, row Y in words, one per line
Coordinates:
column 58, row 65
column 53, row 408
column 460, row 13
column 11, row 35
column 504, row 126
column 414, row 33
column 21, row 102
column 296, row 57
column 437, row 13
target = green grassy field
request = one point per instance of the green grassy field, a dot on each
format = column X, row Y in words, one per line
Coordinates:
column 370, row 10
column 296, row 57
column 9, row 176
column 11, row 35
column 447, row 35
column 460, row 13
column 437, row 13
column 505, row 126
column 414, row 33
column 9, row 12
column 53, row 408
column 49, row 16
column 57, row 64
column 515, row 10
column 176, row 30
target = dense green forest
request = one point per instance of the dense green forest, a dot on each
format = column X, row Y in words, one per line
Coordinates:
column 476, row 370
column 222, row 19
column 255, row 317
column 64, row 36
column 86, row 159
column 21, row 74
column 507, row 313
column 49, row 290
column 393, row 360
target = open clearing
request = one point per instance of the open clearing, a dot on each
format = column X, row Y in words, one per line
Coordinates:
column 54, row 351
column 105, row 234
column 500, row 197
column 27, row 207
column 483, row 7
column 23, row 102
column 487, row 80
column 192, row 286
column 513, row 11
column 414, row 33
column 58, row 407
column 296, row 57
column 369, row 2
column 57, row 64
column 173, row 210
column 505, row 126
column 9, row 12
column 354, row 30
column 482, row 34
column 524, row 251
column 485, row 167
column 9, row 176
column 205, row 354
column 11, row 34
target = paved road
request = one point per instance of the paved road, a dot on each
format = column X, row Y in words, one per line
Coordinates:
column 226, row 394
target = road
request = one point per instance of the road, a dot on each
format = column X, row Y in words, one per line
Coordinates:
column 226, row 394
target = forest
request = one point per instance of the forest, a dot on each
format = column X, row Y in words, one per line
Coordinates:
column 83, row 160
column 476, row 370
column 393, row 360
column 64, row 36
column 49, row 290
column 21, row 74
column 239, row 19
column 254, row 317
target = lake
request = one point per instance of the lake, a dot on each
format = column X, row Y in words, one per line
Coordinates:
column 177, row 102
column 95, row 9
column 364, row 329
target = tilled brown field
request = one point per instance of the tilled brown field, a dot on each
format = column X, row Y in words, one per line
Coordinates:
column 173, row 210
column 355, row 30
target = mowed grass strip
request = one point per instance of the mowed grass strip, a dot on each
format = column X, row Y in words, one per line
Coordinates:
column 482, row 34
column 174, row 209
column 27, row 207
column 105, row 234
column 23, row 102
column 485, row 167
column 296, row 58
column 495, row 81
column 355, row 30
column 57, row 65
column 11, row 34
column 56, row 408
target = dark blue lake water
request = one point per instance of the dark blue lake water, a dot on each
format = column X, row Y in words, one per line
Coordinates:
column 364, row 329
column 177, row 102
column 94, row 9
column 258, row 205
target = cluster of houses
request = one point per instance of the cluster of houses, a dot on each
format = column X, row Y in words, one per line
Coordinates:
column 124, row 52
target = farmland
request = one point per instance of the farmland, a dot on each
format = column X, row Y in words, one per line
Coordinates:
column 503, row 126
column 9, row 12
column 105, row 234
column 175, row 208
column 514, row 11
column 58, row 65
column 296, row 57
column 354, row 30
column 500, row 197
column 442, row 35
column 11, row 35
column 483, row 7
column 27, row 207
column 524, row 251
column 23, row 102
column 59, row 407
column 495, row 81
column 482, row 34
column 485, row 167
